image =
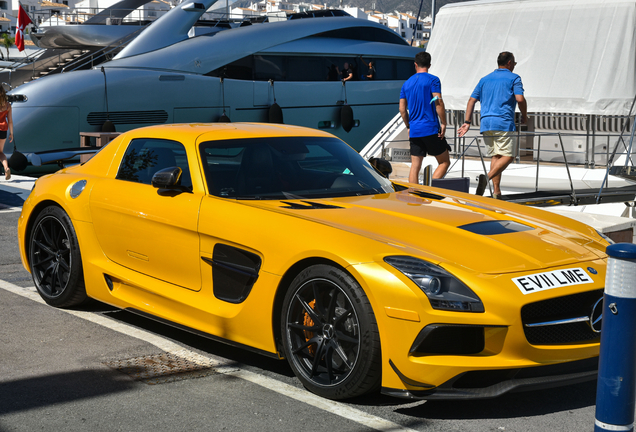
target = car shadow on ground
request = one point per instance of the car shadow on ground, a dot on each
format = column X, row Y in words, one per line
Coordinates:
column 50, row 390
column 233, row 354
column 10, row 199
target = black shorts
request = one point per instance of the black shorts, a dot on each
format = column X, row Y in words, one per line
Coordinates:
column 3, row 134
column 421, row 146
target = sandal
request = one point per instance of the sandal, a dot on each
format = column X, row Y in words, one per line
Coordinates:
column 7, row 174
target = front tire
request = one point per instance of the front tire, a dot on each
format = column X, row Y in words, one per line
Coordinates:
column 330, row 335
column 55, row 260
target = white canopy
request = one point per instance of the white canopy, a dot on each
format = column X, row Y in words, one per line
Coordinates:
column 573, row 56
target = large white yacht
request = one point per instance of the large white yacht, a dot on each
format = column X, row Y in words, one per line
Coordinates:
column 173, row 72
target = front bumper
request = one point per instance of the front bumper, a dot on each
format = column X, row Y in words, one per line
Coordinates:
column 434, row 354
column 488, row 384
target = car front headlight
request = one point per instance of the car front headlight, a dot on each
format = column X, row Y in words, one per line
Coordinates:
column 444, row 291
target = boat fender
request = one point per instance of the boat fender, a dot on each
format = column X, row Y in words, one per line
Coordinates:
column 108, row 126
column 346, row 117
column 275, row 114
column 224, row 118
column 17, row 161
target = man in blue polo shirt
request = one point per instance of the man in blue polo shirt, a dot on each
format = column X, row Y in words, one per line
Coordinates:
column 498, row 92
column 420, row 105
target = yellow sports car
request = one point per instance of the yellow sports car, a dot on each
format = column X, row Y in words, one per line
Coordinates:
column 286, row 242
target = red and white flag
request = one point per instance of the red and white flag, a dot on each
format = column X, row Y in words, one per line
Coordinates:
column 23, row 21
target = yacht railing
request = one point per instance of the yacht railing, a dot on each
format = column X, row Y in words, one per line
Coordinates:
column 585, row 138
column 28, row 59
column 104, row 53
column 387, row 134
column 20, row 64
column 79, row 16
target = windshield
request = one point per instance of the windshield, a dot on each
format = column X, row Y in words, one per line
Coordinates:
column 288, row 168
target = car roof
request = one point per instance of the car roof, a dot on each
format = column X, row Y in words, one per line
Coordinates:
column 222, row 131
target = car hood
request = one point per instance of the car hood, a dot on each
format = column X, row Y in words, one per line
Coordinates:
column 479, row 234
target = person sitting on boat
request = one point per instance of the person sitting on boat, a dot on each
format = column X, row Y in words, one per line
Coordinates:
column 420, row 105
column 498, row 92
column 6, row 124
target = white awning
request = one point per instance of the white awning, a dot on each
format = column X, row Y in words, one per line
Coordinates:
column 574, row 56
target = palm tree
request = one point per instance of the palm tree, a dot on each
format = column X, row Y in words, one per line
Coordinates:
column 7, row 42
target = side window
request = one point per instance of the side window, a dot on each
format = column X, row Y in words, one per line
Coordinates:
column 145, row 156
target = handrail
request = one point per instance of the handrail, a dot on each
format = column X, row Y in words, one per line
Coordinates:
column 379, row 140
column 476, row 141
column 124, row 41
column 29, row 58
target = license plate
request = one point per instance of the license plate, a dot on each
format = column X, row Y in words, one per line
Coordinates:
column 552, row 279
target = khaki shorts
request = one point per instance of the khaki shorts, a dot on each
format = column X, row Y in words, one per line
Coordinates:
column 501, row 143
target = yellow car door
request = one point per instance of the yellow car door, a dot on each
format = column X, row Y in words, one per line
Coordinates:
column 149, row 230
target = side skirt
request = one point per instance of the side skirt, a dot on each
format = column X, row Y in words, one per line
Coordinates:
column 204, row 334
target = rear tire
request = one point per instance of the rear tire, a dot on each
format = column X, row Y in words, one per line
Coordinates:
column 55, row 260
column 330, row 335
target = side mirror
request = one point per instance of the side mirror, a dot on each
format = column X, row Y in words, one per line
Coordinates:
column 167, row 178
column 382, row 166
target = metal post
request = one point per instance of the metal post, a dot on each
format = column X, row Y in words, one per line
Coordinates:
column 536, row 184
column 587, row 140
column 615, row 395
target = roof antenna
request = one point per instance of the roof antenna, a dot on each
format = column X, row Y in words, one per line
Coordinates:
column 108, row 125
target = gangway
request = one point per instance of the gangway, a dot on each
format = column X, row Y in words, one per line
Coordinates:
column 573, row 197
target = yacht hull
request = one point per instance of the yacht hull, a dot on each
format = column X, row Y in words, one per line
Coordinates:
column 59, row 107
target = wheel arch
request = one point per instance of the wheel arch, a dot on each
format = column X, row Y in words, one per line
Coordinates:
column 284, row 285
column 29, row 224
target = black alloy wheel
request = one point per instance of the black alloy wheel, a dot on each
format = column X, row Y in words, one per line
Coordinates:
column 330, row 335
column 54, row 258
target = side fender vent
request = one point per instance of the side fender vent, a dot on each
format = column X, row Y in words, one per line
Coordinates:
column 234, row 272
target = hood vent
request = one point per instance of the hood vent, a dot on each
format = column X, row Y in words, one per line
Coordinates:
column 128, row 117
column 495, row 227
column 427, row 195
column 309, row 205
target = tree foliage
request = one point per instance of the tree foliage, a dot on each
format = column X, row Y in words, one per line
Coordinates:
column 7, row 42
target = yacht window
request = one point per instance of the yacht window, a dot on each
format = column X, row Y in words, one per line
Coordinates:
column 310, row 68
column 242, row 69
column 269, row 67
column 368, row 34
column 306, row 69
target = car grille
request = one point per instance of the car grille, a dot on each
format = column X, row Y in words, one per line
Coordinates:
column 561, row 309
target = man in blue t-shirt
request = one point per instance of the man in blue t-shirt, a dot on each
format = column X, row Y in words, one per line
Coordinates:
column 420, row 105
column 498, row 92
